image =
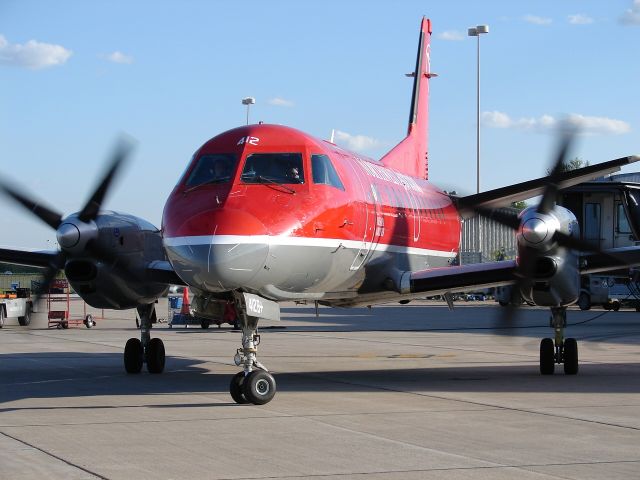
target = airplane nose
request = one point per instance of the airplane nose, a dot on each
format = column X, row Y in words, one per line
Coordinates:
column 234, row 263
column 228, row 259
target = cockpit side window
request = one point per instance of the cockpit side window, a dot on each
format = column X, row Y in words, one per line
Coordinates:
column 283, row 168
column 324, row 172
column 212, row 168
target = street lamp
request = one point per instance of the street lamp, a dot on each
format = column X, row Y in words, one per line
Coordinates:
column 248, row 101
column 476, row 32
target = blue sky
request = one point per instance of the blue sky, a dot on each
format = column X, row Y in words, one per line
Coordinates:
column 74, row 75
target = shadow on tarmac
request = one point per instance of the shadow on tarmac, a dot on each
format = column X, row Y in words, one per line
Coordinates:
column 68, row 374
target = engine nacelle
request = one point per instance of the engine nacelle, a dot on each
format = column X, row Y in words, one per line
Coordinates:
column 555, row 275
column 132, row 243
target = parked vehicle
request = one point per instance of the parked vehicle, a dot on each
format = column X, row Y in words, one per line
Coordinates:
column 16, row 303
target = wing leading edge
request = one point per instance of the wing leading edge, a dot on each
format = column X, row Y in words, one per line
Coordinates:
column 501, row 197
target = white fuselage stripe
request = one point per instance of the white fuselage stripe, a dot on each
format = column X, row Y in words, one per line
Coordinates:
column 208, row 240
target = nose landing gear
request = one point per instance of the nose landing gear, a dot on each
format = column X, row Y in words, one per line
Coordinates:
column 559, row 350
column 254, row 384
column 146, row 349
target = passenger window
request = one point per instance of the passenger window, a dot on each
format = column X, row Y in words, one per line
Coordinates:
column 212, row 168
column 273, row 167
column 324, row 172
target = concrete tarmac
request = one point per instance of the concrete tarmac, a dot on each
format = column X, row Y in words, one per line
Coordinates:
column 395, row 392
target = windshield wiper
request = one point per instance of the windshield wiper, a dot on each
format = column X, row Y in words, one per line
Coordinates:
column 261, row 178
column 208, row 182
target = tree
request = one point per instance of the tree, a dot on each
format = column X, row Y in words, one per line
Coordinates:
column 520, row 205
column 572, row 164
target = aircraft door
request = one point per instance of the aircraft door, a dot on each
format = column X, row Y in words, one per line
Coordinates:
column 598, row 220
column 592, row 222
column 370, row 213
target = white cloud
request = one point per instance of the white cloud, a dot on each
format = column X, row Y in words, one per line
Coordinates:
column 33, row 54
column 580, row 19
column 631, row 16
column 586, row 125
column 536, row 20
column 119, row 57
column 281, row 102
column 451, row 35
column 358, row 143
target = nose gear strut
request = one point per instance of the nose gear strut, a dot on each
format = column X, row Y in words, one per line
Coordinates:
column 254, row 384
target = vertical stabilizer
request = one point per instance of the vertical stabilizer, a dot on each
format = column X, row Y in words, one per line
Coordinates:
column 410, row 156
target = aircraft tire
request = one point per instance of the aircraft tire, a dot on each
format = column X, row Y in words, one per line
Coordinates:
column 235, row 388
column 155, row 356
column 259, row 387
column 570, row 351
column 584, row 301
column 133, row 356
column 205, row 324
column 547, row 356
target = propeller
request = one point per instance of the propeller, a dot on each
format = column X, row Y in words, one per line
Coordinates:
column 77, row 233
column 535, row 230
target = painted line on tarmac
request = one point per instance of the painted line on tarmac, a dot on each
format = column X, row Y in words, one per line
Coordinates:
column 53, row 455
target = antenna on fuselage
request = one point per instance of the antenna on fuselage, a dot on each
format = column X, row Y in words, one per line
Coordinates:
column 333, row 134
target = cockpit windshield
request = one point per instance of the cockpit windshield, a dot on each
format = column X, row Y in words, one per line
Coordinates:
column 281, row 168
column 212, row 168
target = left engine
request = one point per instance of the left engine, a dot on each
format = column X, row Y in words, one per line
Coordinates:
column 115, row 277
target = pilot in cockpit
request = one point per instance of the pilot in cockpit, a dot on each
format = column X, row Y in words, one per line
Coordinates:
column 293, row 174
column 221, row 170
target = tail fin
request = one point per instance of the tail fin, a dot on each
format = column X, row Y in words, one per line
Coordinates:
column 410, row 156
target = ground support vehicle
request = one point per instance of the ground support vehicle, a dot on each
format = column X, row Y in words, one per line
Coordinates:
column 16, row 303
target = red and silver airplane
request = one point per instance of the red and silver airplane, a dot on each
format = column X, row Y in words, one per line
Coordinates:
column 266, row 213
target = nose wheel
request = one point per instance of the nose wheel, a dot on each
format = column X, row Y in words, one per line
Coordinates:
column 146, row 349
column 259, row 387
column 559, row 350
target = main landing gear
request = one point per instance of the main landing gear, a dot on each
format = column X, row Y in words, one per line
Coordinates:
column 254, row 384
column 560, row 349
column 145, row 350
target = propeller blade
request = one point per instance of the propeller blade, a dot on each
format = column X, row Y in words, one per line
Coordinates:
column 550, row 192
column 92, row 207
column 502, row 216
column 51, row 218
column 575, row 243
column 57, row 264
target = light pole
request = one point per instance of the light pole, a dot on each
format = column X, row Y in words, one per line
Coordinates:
column 476, row 32
column 248, row 101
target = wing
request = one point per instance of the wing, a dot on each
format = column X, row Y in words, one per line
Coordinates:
column 461, row 278
column 32, row 259
column 161, row 271
column 436, row 281
column 612, row 259
column 157, row 272
column 501, row 197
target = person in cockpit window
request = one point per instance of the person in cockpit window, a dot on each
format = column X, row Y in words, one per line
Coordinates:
column 293, row 174
column 220, row 170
